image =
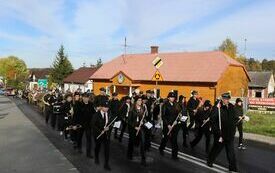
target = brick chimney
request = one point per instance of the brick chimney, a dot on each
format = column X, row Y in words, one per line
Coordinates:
column 154, row 49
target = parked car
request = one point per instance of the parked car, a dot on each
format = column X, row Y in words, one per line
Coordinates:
column 2, row 92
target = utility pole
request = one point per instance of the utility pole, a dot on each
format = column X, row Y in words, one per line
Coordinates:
column 245, row 40
column 125, row 50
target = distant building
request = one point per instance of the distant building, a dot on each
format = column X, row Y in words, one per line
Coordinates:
column 210, row 73
column 36, row 74
column 79, row 79
column 262, row 84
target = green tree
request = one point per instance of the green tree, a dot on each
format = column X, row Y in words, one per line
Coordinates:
column 61, row 67
column 14, row 71
column 99, row 63
column 229, row 47
column 268, row 65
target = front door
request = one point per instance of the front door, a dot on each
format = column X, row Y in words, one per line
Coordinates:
column 122, row 91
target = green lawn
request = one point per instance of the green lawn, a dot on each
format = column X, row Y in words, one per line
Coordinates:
column 263, row 124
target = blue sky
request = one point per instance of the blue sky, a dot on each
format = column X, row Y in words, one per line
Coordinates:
column 34, row 29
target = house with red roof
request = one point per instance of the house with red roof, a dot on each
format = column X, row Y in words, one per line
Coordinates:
column 80, row 79
column 210, row 73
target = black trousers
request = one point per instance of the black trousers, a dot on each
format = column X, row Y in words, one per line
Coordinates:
column 147, row 138
column 200, row 132
column 105, row 141
column 53, row 119
column 229, row 148
column 184, row 131
column 192, row 120
column 138, row 140
column 173, row 139
column 60, row 122
column 48, row 112
column 123, row 129
column 240, row 130
column 88, row 135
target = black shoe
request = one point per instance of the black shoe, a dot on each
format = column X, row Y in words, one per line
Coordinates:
column 161, row 152
column 185, row 145
column 107, row 167
column 143, row 163
column 175, row 158
column 210, row 164
column 97, row 161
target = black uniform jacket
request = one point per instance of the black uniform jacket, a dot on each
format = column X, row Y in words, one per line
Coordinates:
column 85, row 115
column 192, row 104
column 202, row 115
column 135, row 116
column 169, row 113
column 228, row 121
column 98, row 123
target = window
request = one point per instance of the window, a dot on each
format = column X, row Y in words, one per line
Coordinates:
column 258, row 94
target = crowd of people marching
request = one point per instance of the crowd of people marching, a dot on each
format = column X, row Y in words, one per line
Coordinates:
column 96, row 116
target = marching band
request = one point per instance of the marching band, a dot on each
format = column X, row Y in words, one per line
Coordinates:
column 141, row 116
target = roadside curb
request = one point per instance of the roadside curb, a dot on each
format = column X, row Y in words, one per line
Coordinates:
column 258, row 138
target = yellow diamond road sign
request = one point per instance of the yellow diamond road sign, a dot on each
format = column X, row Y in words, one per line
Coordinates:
column 157, row 76
column 157, row 62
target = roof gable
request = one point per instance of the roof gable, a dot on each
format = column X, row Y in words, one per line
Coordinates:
column 80, row 75
column 259, row 79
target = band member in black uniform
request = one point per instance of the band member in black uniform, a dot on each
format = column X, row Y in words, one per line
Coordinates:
column 192, row 107
column 77, row 102
column 203, row 125
column 223, row 123
column 183, row 107
column 136, row 128
column 124, row 113
column 240, row 115
column 65, row 119
column 148, row 117
column 101, row 98
column 57, row 103
column 100, row 122
column 47, row 100
column 85, row 120
column 114, row 108
column 170, row 123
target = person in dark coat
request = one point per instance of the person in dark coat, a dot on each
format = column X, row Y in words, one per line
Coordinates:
column 136, row 128
column 85, row 120
column 203, row 125
column 183, row 107
column 170, row 115
column 240, row 115
column 101, row 98
column 66, row 118
column 48, row 105
column 114, row 108
column 223, row 123
column 192, row 107
column 124, row 114
column 101, row 119
column 56, row 101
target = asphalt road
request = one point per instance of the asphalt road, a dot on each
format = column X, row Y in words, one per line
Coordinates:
column 257, row 158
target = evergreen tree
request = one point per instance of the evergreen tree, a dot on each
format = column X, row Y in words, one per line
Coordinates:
column 61, row 67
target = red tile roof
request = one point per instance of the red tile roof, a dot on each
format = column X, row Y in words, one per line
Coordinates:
column 178, row 67
column 40, row 73
column 80, row 75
